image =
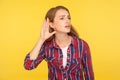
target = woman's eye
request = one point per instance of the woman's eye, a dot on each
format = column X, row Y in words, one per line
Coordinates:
column 61, row 18
column 69, row 18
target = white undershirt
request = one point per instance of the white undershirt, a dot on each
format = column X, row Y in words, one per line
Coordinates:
column 64, row 51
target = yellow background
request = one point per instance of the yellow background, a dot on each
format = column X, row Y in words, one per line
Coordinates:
column 97, row 22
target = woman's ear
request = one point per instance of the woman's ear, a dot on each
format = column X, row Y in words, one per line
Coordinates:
column 51, row 25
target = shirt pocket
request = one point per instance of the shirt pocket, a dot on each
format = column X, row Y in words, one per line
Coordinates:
column 75, row 63
column 75, row 60
column 53, row 61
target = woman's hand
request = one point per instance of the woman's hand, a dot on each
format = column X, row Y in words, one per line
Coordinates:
column 45, row 34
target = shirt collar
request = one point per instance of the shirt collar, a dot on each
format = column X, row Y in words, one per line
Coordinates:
column 54, row 44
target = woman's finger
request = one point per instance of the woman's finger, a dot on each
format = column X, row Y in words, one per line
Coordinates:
column 47, row 22
column 53, row 33
column 44, row 24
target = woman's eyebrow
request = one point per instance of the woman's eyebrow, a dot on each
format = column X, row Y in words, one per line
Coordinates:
column 64, row 15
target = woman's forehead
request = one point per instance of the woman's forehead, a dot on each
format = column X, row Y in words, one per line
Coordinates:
column 61, row 13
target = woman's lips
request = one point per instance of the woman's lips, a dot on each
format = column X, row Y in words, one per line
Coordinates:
column 67, row 26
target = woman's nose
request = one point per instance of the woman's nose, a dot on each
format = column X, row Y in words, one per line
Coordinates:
column 67, row 20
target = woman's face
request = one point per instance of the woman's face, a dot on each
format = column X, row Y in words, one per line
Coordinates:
column 62, row 23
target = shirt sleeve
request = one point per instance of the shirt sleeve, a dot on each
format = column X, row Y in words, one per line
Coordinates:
column 31, row 64
column 87, row 62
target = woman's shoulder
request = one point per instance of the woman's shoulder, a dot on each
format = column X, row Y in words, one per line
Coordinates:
column 81, row 40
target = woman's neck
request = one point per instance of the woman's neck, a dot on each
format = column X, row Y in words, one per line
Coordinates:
column 63, row 40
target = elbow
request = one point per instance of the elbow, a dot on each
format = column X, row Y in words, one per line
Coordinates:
column 26, row 67
column 28, row 64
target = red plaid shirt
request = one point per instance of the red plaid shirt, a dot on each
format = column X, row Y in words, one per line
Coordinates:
column 79, row 65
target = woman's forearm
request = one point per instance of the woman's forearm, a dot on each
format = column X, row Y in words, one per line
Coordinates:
column 35, row 51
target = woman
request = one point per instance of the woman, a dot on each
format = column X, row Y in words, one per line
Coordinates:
column 67, row 55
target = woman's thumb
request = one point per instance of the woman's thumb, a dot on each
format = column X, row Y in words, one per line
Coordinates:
column 53, row 32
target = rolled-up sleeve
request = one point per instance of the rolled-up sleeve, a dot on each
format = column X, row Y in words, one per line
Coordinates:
column 31, row 64
column 87, row 63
